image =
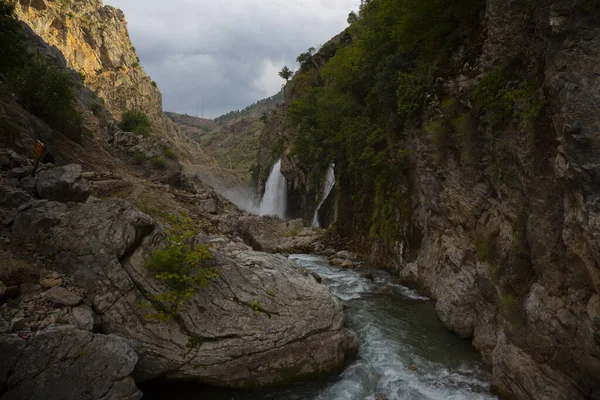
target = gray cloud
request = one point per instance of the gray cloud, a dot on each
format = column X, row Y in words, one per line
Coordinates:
column 229, row 51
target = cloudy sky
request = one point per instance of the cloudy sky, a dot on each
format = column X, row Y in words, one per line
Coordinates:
column 226, row 51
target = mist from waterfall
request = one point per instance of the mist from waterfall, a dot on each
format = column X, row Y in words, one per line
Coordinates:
column 329, row 182
column 275, row 198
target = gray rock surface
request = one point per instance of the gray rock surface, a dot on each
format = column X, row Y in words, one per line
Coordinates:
column 218, row 338
column 65, row 363
column 63, row 184
column 271, row 234
column 83, row 318
column 62, row 296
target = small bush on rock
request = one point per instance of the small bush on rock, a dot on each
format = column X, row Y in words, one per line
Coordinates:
column 159, row 162
column 169, row 152
column 136, row 122
column 181, row 266
column 139, row 157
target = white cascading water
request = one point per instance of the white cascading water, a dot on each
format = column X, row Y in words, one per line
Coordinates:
column 329, row 182
column 275, row 197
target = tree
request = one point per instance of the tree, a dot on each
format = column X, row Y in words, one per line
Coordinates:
column 307, row 57
column 286, row 73
column 352, row 17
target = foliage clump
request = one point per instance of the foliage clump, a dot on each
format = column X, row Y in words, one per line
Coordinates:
column 181, row 266
column 136, row 122
column 41, row 87
column 159, row 162
column 356, row 105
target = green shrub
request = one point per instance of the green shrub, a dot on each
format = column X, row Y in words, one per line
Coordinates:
column 256, row 307
column 158, row 162
column 136, row 122
column 181, row 266
column 47, row 91
column 169, row 152
column 154, row 84
column 42, row 88
column 139, row 157
column 410, row 92
column 135, row 64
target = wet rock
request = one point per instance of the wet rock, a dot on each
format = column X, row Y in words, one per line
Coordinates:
column 346, row 255
column 2, row 290
column 337, row 261
column 368, row 275
column 62, row 362
column 316, row 276
column 62, row 296
column 64, row 184
column 348, row 264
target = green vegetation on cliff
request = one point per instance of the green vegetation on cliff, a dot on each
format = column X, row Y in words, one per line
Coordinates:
column 41, row 87
column 359, row 104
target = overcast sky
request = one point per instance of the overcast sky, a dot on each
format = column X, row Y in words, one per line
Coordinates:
column 228, row 52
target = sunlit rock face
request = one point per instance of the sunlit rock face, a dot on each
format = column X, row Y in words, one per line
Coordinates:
column 95, row 42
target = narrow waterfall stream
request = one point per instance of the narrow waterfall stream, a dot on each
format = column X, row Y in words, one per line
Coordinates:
column 329, row 182
column 405, row 352
column 275, row 197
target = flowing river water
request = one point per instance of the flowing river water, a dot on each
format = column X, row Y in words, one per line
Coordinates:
column 405, row 352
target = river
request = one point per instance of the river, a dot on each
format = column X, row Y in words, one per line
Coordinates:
column 405, row 352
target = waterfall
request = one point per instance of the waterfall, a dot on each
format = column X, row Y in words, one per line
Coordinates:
column 275, row 197
column 329, row 182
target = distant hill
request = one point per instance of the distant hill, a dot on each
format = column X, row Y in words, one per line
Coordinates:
column 232, row 139
column 255, row 110
column 190, row 124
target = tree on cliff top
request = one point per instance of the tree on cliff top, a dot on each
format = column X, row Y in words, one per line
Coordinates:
column 286, row 73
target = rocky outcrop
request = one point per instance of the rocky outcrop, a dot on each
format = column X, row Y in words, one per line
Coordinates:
column 67, row 363
column 95, row 42
column 271, row 234
column 262, row 322
column 63, row 184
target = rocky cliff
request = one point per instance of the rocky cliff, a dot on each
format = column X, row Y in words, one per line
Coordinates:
column 486, row 198
column 95, row 42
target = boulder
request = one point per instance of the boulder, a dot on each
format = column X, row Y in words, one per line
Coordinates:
column 62, row 296
column 29, row 184
column 347, row 264
column 50, row 282
column 65, row 363
column 64, row 184
column 346, row 255
column 219, row 337
column 19, row 172
column 82, row 317
column 316, row 276
column 2, row 290
column 337, row 261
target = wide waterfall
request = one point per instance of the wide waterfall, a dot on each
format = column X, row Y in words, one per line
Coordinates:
column 329, row 182
column 275, row 197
